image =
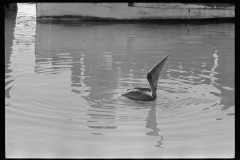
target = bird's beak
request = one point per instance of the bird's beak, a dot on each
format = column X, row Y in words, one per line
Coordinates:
column 155, row 73
column 157, row 69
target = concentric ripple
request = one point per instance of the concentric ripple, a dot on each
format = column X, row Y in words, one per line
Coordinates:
column 63, row 86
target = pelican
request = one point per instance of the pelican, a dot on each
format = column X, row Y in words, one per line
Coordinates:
column 140, row 94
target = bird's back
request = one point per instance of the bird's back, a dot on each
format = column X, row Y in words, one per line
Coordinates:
column 136, row 94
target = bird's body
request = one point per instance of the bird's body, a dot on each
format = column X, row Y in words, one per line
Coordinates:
column 140, row 94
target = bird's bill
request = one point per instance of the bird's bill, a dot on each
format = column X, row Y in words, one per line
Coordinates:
column 155, row 73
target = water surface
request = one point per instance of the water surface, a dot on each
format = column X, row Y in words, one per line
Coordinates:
column 63, row 85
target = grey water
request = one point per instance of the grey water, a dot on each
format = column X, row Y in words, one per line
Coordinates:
column 63, row 86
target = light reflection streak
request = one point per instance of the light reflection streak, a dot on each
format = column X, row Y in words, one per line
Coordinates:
column 215, row 55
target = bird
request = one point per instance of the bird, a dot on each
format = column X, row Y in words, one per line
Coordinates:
column 140, row 94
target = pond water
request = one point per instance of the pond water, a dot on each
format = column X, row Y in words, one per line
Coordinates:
column 63, row 86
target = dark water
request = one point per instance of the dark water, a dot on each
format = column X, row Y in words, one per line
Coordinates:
column 63, row 83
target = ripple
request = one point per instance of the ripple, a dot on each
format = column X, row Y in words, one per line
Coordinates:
column 174, row 94
column 227, row 88
column 68, row 97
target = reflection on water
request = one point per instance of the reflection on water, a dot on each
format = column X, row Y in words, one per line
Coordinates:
column 63, row 85
column 10, row 17
column 151, row 123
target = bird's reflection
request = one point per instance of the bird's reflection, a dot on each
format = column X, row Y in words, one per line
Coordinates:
column 10, row 24
column 151, row 123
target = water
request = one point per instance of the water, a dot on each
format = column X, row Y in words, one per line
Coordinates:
column 63, row 85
